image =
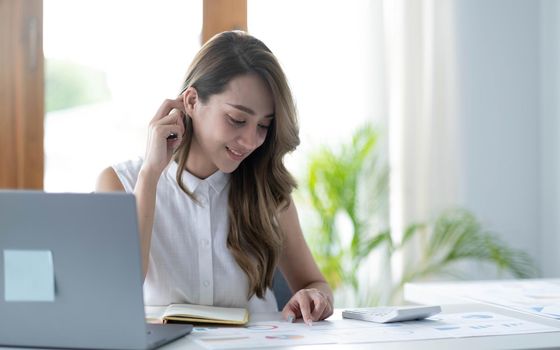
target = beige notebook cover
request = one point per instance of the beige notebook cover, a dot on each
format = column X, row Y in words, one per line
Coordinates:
column 197, row 314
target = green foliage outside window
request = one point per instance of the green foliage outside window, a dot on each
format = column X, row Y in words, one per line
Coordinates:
column 70, row 85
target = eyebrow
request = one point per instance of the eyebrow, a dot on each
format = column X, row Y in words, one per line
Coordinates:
column 247, row 110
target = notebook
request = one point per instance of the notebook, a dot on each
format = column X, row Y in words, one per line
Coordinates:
column 68, row 264
column 197, row 314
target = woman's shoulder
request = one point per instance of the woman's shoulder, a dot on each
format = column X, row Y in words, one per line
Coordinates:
column 131, row 165
column 108, row 181
column 127, row 172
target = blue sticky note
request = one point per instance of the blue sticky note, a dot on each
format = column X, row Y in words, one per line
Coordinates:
column 28, row 275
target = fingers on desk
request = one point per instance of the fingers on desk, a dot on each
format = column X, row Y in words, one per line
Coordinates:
column 311, row 305
column 320, row 304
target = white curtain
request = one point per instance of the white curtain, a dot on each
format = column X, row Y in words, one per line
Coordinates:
column 421, row 90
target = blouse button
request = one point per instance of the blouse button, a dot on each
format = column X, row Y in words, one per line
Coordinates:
column 205, row 283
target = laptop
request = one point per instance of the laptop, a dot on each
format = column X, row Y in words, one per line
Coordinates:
column 70, row 273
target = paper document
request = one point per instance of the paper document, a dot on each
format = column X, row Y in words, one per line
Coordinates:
column 535, row 297
column 28, row 275
column 278, row 333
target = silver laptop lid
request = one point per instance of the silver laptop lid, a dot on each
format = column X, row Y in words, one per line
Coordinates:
column 88, row 246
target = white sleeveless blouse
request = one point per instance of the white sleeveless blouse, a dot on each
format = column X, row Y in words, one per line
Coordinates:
column 189, row 260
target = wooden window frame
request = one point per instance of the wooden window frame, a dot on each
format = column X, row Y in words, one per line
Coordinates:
column 222, row 15
column 22, row 83
column 21, row 94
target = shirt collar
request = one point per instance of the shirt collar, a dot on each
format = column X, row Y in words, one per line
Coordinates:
column 217, row 180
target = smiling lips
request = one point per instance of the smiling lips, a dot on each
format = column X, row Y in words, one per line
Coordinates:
column 236, row 155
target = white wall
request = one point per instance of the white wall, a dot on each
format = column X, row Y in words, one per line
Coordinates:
column 508, row 121
column 549, row 134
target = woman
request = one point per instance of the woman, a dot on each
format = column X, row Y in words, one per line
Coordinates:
column 216, row 217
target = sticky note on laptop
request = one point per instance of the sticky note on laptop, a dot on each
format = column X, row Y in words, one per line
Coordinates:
column 28, row 275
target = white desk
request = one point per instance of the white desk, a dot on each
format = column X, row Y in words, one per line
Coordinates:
column 513, row 293
column 519, row 341
column 525, row 341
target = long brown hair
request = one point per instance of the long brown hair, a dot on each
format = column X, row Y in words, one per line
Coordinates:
column 260, row 187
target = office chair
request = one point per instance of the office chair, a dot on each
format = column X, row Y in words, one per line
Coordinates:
column 281, row 290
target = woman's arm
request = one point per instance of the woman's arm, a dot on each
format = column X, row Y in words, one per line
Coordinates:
column 159, row 151
column 314, row 299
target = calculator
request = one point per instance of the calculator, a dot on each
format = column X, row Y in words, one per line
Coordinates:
column 385, row 314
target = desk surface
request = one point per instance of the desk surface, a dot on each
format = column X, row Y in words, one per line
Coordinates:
column 524, row 341
column 519, row 341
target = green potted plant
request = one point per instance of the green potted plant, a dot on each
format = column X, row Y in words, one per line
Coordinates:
column 351, row 185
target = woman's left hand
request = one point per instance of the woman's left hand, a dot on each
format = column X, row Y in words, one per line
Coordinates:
column 311, row 304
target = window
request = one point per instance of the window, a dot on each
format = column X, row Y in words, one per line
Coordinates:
column 328, row 51
column 108, row 68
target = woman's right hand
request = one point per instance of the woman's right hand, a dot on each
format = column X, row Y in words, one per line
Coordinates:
column 167, row 121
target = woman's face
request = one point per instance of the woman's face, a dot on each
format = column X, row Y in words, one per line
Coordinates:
column 229, row 126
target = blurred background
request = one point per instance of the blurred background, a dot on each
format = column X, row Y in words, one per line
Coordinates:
column 429, row 128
